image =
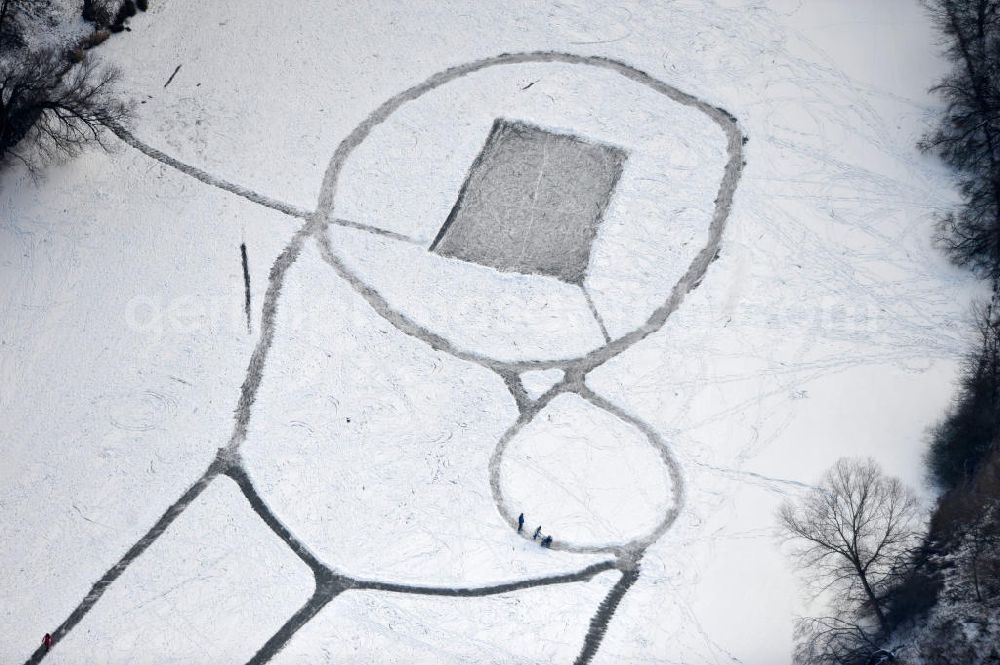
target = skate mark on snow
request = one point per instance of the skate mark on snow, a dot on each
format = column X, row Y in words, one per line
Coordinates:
column 240, row 190
column 375, row 231
column 584, row 575
column 320, row 598
column 673, row 468
column 596, row 314
column 575, row 384
column 327, row 590
column 770, row 482
column 239, row 475
column 517, row 391
column 255, row 370
column 204, row 176
column 246, row 286
column 602, row 618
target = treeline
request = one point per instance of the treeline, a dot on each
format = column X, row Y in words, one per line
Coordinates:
column 968, row 139
column 903, row 597
column 951, row 599
column 55, row 100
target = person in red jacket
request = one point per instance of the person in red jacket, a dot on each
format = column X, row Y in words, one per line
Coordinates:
column 47, row 642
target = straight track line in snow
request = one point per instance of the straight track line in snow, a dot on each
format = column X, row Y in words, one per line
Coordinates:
column 133, row 553
column 758, row 478
column 602, row 619
column 584, row 575
column 320, row 598
column 255, row 370
column 338, row 221
column 239, row 475
column 246, row 287
column 596, row 314
column 205, row 176
column 244, row 192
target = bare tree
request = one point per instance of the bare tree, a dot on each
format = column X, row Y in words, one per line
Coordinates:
column 854, row 534
column 51, row 105
column 57, row 106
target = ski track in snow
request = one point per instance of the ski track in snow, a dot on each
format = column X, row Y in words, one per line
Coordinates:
column 329, row 583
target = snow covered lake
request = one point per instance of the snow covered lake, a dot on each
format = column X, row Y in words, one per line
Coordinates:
column 637, row 271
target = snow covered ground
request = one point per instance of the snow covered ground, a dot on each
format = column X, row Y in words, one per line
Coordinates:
column 383, row 377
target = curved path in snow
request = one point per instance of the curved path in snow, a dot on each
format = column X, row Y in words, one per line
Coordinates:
column 329, row 583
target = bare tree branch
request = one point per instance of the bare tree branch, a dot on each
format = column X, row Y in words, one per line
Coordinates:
column 854, row 534
column 50, row 108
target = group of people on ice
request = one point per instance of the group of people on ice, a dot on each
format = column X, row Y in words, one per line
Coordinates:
column 546, row 541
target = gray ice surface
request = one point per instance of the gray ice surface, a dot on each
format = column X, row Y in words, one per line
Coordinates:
column 532, row 202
